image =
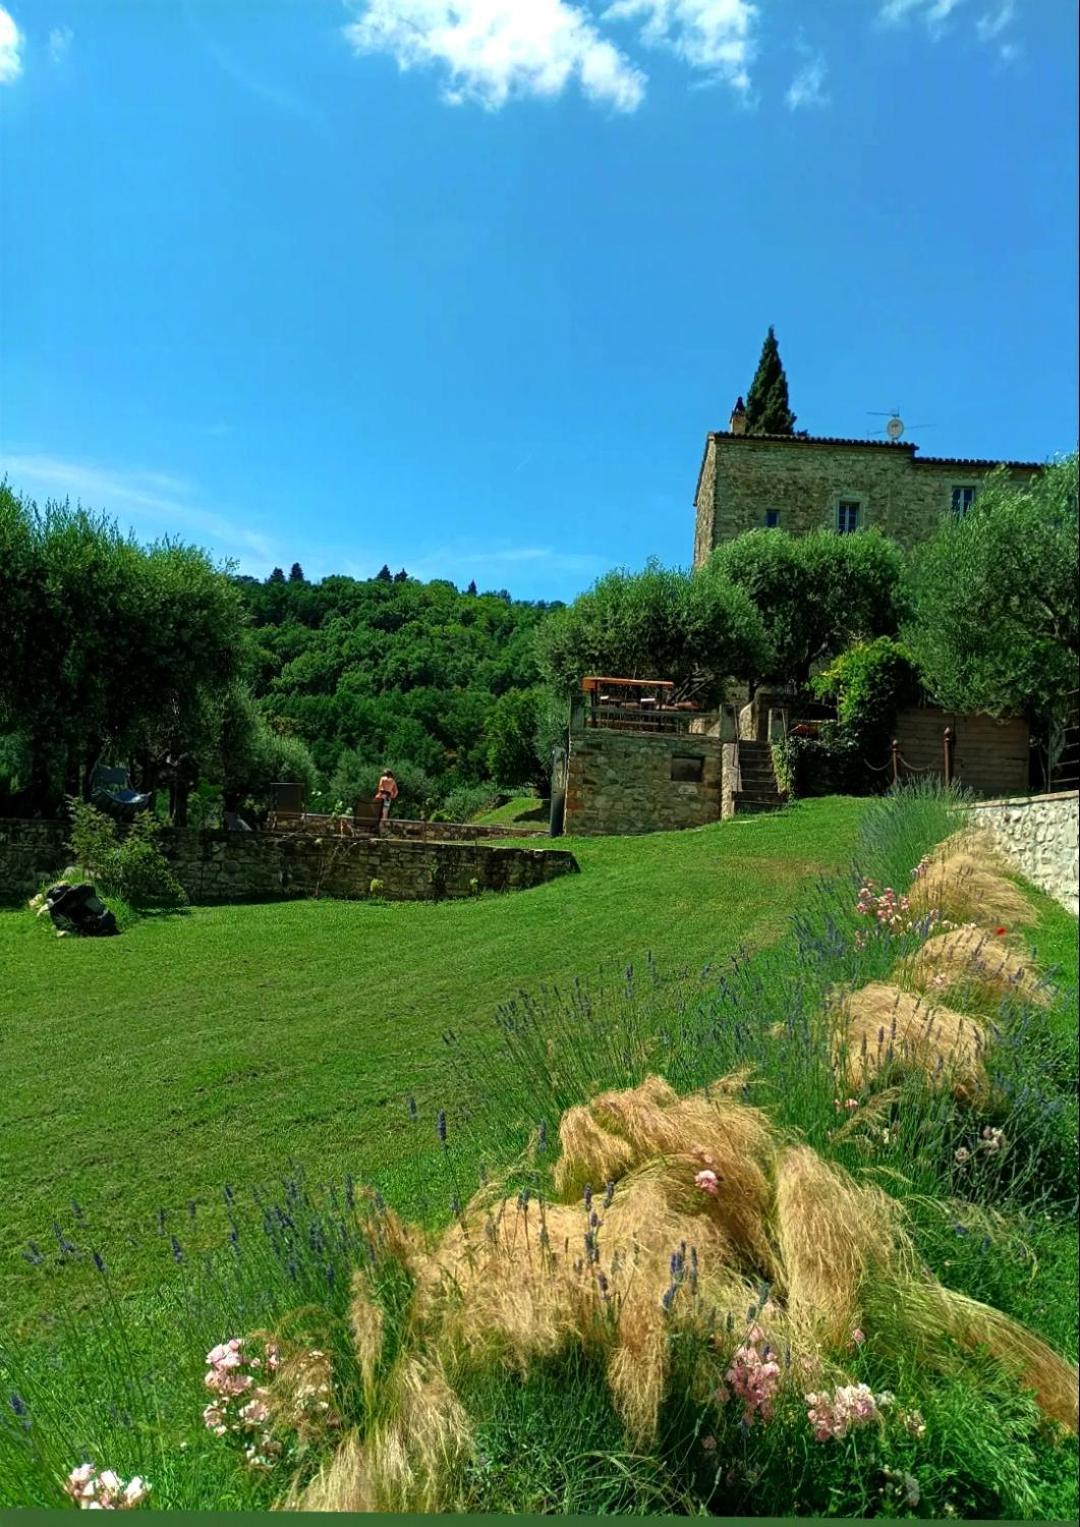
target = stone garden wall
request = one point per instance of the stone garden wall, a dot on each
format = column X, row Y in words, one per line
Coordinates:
column 1040, row 836
column 621, row 782
column 235, row 866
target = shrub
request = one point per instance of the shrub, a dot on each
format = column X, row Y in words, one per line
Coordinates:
column 130, row 866
column 357, row 774
column 869, row 682
column 832, row 763
column 464, row 802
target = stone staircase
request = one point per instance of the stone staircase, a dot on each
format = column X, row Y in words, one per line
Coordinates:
column 757, row 781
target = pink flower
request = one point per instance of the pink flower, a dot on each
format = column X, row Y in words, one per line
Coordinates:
column 754, row 1376
column 709, row 1444
column 708, row 1182
column 833, row 1416
column 857, row 1337
column 105, row 1491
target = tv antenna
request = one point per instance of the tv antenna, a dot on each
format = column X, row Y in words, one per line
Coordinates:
column 895, row 426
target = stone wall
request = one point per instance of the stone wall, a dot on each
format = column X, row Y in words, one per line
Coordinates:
column 29, row 853
column 742, row 477
column 1040, row 836
column 620, row 782
column 990, row 757
column 461, row 832
column 235, row 866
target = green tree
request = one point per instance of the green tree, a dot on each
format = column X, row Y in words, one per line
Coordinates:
column 251, row 756
column 120, row 648
column 276, row 576
column 510, row 737
column 296, row 573
column 816, row 594
column 994, row 623
column 767, row 410
column 661, row 623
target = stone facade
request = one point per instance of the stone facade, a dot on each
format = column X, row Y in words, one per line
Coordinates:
column 990, row 756
column 798, row 483
column 235, row 866
column 621, row 782
column 1040, row 836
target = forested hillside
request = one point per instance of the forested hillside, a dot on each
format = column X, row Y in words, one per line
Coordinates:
column 437, row 684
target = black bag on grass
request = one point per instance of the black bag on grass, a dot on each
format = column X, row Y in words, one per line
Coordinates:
column 78, row 908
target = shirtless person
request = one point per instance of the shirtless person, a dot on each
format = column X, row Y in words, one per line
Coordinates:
column 386, row 794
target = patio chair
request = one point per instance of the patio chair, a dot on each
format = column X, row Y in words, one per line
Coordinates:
column 286, row 807
column 366, row 814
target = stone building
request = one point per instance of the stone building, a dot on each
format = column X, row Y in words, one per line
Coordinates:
column 807, row 482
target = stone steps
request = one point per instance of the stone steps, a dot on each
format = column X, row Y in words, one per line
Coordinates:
column 757, row 790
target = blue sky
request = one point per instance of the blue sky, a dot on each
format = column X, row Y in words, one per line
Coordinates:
column 462, row 286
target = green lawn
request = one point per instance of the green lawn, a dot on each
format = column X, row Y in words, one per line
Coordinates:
column 146, row 1072
column 510, row 814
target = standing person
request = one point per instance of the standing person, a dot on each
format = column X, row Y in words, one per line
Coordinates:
column 386, row 793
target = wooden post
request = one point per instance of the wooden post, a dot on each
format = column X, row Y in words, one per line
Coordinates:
column 950, row 743
column 894, row 749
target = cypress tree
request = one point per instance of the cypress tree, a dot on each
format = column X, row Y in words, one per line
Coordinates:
column 767, row 411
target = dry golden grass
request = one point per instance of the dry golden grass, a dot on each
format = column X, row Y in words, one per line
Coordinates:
column 967, row 880
column 932, row 1312
column 975, row 961
column 516, row 1280
column 882, row 1030
column 832, row 1234
column 366, row 1322
column 413, row 1455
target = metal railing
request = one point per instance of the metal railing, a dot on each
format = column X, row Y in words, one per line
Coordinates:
column 896, row 762
column 1064, row 770
column 660, row 720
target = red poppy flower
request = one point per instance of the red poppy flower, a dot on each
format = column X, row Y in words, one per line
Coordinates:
column 1000, row 931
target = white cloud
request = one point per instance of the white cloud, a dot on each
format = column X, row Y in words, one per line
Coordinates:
column 492, row 50
column 994, row 22
column 993, row 25
column 808, row 86
column 934, row 12
column 990, row 27
column 154, row 503
column 10, row 48
column 715, row 36
column 60, row 40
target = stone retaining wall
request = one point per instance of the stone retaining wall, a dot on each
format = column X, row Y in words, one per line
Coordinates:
column 236, row 866
column 1040, row 836
column 621, row 782
column 458, row 832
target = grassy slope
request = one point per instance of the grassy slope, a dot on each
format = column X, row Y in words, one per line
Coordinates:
column 507, row 816
column 218, row 1045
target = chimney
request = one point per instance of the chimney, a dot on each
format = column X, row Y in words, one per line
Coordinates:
column 737, row 422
